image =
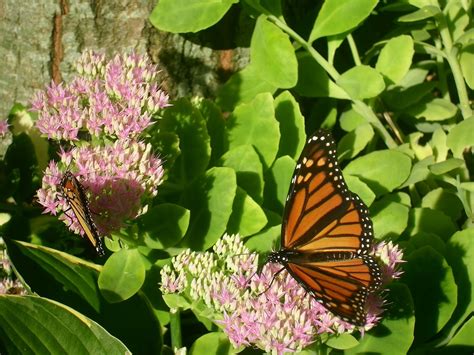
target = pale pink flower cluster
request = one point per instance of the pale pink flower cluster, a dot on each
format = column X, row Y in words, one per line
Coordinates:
column 275, row 316
column 3, row 128
column 116, row 98
column 8, row 283
column 109, row 103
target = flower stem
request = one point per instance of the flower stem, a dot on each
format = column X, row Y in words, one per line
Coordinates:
column 175, row 328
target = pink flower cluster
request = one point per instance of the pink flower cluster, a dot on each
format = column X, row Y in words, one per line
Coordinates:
column 8, row 283
column 3, row 128
column 116, row 99
column 112, row 103
column 275, row 316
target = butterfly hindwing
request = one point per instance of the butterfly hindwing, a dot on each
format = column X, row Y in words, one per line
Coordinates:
column 327, row 234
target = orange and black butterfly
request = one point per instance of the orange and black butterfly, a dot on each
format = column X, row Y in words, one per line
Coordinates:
column 74, row 193
column 327, row 234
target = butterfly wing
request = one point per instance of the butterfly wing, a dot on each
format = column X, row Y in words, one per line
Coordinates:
column 75, row 196
column 327, row 233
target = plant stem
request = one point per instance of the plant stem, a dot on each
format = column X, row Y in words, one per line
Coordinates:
column 359, row 105
column 354, row 51
column 175, row 328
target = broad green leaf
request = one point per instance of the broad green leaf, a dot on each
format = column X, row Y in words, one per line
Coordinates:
column 421, row 14
column 215, row 122
column 434, row 290
column 460, row 253
column 242, row 87
column 247, row 216
column 338, row 16
column 264, row 241
column 463, row 340
column 194, row 142
column 354, row 142
column 164, row 225
column 460, row 137
column 212, row 343
column 351, row 119
column 74, row 274
column 423, row 239
column 401, row 48
column 360, row 188
column 175, row 300
column 466, row 58
column 35, row 325
column 430, row 221
column 181, row 16
column 395, row 333
column 277, row 183
column 435, row 109
column 439, row 144
column 248, row 168
column 288, row 114
column 362, row 82
column 420, row 171
column 210, row 200
column 73, row 282
column 122, row 275
column 421, row 150
column 382, row 171
column 313, row 81
column 268, row 41
column 342, row 342
column 446, row 166
column 398, row 98
column 254, row 123
column 390, row 218
column 445, row 201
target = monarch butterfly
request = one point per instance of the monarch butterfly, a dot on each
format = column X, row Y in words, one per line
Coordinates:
column 74, row 193
column 327, row 234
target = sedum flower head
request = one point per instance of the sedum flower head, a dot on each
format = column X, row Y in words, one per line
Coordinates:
column 116, row 98
column 8, row 283
column 116, row 178
column 269, row 310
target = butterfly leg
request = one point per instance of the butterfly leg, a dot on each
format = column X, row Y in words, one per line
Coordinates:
column 271, row 282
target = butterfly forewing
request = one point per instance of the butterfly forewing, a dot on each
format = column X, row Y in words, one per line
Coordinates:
column 327, row 234
column 75, row 196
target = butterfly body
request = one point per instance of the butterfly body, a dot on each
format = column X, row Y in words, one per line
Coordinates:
column 76, row 197
column 327, row 234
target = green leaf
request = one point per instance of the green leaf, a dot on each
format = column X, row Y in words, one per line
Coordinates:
column 439, row 144
column 181, row 16
column 360, row 188
column 210, row 200
column 277, row 183
column 398, row 98
column 242, row 87
column 340, row 16
column 288, row 114
column 444, row 201
column 361, row 82
column 423, row 239
column 401, row 48
column 421, row 14
column 212, row 343
column 420, row 171
column 252, row 121
column 434, row 291
column 175, row 300
column 342, row 341
column 394, row 335
column 390, row 218
column 247, row 216
column 430, row 221
column 215, row 126
column 268, row 41
column 164, row 225
column 354, row 142
column 264, row 241
column 382, row 170
column 446, row 166
column 434, row 109
column 463, row 341
column 313, row 80
column 33, row 325
column 460, row 137
column 122, row 276
column 466, row 58
column 460, row 253
column 351, row 119
column 248, row 167
column 194, row 142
